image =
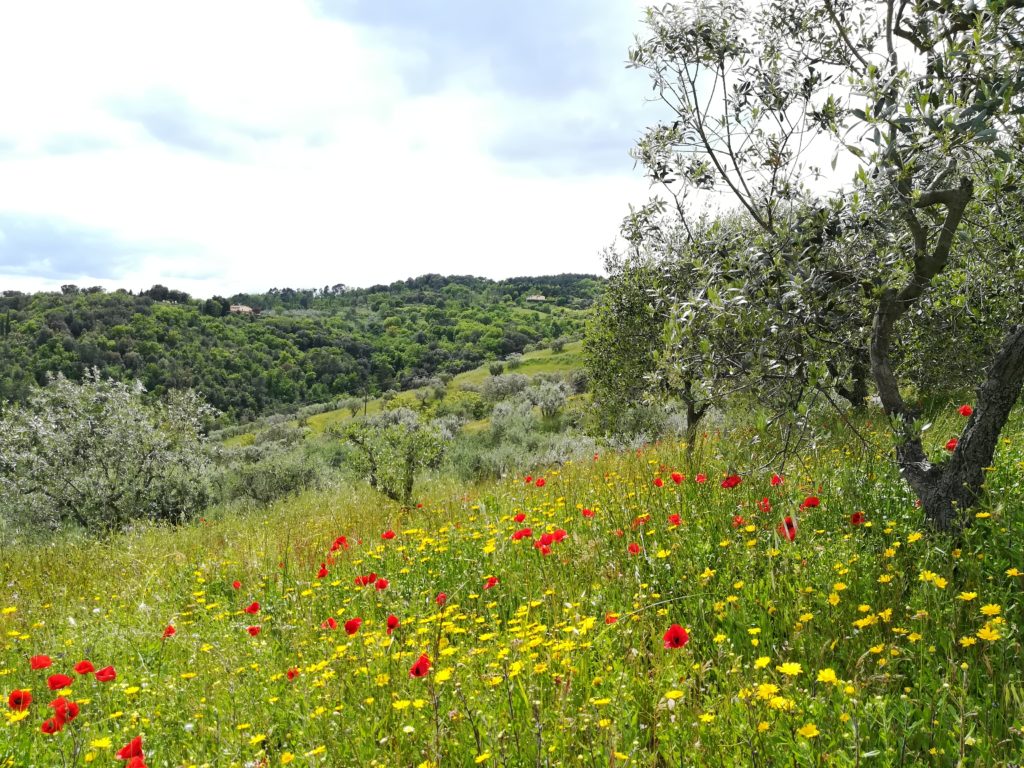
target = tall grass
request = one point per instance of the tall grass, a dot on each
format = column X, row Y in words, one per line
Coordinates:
column 876, row 643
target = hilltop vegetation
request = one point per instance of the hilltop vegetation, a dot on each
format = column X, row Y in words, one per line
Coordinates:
column 308, row 346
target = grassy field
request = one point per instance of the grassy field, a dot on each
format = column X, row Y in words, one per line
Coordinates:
column 628, row 610
column 542, row 361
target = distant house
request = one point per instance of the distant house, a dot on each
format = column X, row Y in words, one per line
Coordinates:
column 537, row 297
column 240, row 309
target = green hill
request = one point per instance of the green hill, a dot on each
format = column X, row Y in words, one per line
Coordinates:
column 296, row 347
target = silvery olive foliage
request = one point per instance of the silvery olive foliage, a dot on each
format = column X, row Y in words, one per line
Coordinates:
column 802, row 292
column 100, row 456
column 391, row 448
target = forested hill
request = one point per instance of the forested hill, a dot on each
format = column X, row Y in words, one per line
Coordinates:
column 296, row 347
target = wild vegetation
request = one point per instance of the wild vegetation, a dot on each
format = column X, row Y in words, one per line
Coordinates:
column 647, row 608
column 310, row 346
column 767, row 513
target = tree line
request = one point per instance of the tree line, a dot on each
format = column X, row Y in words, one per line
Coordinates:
column 304, row 346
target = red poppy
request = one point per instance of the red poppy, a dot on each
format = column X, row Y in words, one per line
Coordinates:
column 700, row 478
column 676, row 637
column 370, row 578
column 610, row 618
column 84, row 667
column 675, row 519
column 677, row 477
column 520, row 517
column 253, row 631
column 56, row 682
column 787, row 528
column 106, row 675
column 640, row 520
column 540, row 482
column 560, row 534
column 352, row 625
column 392, row 623
column 236, row 584
column 252, row 608
column 776, row 479
column 51, row 726
column 132, row 749
column 441, row 598
column 810, row 501
column 952, row 444
column 388, row 535
column 546, row 540
column 529, row 479
column 524, row 533
column 857, row 518
column 732, row 481
column 339, row 543
column 19, row 700
column 491, row 582
column 64, row 711
column 170, row 631
column 322, row 573
column 737, row 521
column 381, row 584
column 292, row 673
column 965, row 410
column 40, row 662
column 658, row 482
column 634, row 548
column 588, row 512
column 329, row 624
column 421, row 667
column 764, row 505
column 544, row 548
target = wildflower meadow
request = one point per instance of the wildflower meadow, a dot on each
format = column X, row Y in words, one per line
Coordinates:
column 651, row 608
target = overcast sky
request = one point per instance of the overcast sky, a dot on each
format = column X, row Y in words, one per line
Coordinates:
column 218, row 146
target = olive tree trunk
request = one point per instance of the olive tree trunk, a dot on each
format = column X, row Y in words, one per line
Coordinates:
column 951, row 487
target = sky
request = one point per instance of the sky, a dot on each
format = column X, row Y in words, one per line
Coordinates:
column 229, row 146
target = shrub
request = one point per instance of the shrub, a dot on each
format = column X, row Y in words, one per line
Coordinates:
column 97, row 454
column 274, row 476
column 496, row 369
column 391, row 448
column 503, row 387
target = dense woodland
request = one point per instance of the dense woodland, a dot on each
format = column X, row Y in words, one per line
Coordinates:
column 299, row 347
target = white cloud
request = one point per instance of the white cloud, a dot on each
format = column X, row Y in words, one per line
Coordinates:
column 336, row 173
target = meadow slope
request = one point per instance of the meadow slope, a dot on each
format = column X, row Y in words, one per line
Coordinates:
column 630, row 610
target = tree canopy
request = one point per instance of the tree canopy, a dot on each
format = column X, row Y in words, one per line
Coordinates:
column 908, row 269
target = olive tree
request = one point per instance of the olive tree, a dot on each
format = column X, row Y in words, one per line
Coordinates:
column 99, row 455
column 391, row 448
column 925, row 98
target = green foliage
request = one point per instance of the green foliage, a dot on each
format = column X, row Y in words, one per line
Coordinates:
column 624, row 338
column 299, row 347
column 274, row 476
column 98, row 455
column 391, row 448
column 800, row 299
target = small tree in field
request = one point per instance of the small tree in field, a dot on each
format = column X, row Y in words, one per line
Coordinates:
column 100, row 456
column 927, row 98
column 391, row 448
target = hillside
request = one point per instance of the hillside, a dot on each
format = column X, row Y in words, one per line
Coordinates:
column 298, row 347
column 625, row 610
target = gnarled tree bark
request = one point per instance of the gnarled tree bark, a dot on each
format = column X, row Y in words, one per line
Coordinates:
column 949, row 488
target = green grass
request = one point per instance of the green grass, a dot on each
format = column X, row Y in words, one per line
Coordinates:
column 850, row 645
column 533, row 363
